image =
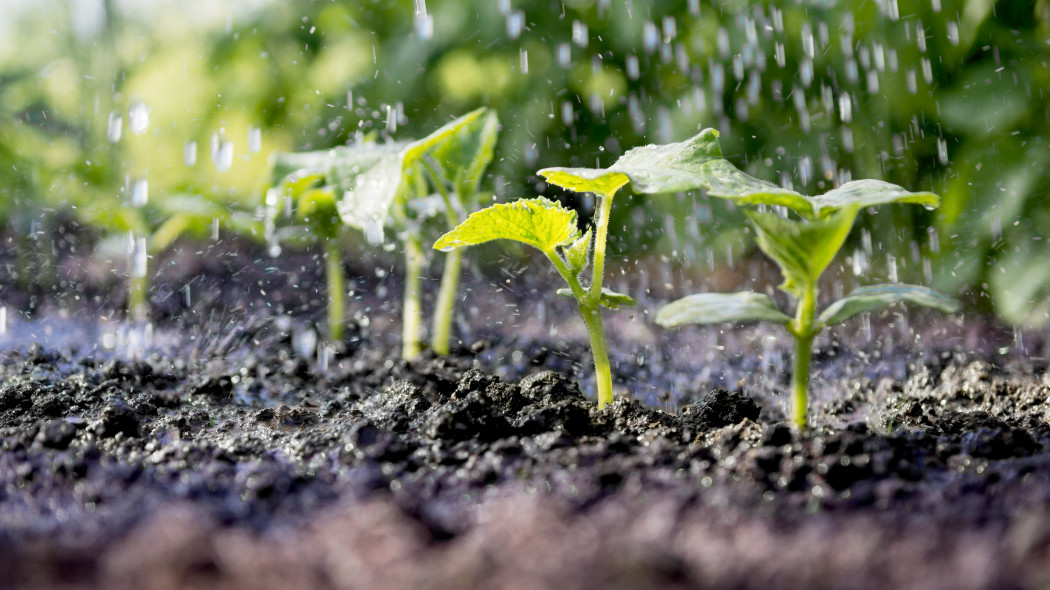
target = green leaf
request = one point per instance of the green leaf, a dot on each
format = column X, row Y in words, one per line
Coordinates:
column 366, row 177
column 878, row 296
column 578, row 254
column 727, row 182
column 609, row 298
column 538, row 222
column 716, row 308
column 463, row 158
column 649, row 169
column 802, row 249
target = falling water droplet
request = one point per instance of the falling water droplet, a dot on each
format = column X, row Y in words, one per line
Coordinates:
column 140, row 193
column 189, row 153
column 139, row 257
column 953, row 32
column 138, row 118
column 631, row 65
column 254, row 140
column 223, row 158
column 3, row 319
column 566, row 113
column 115, row 127
column 579, row 33
column 650, row 36
column 515, row 24
column 942, row 151
column 524, row 61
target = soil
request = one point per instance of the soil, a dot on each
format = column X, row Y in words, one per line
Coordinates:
column 219, row 448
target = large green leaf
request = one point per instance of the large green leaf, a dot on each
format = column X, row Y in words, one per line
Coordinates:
column 879, row 296
column 538, row 222
column 649, row 169
column 802, row 249
column 608, row 298
column 366, row 177
column 697, row 163
column 716, row 308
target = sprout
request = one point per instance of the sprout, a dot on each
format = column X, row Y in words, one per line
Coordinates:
column 372, row 187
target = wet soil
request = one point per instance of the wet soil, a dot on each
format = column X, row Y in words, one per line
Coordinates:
column 231, row 454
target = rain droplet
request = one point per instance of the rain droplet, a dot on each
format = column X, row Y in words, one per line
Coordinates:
column 515, row 23
column 564, row 55
column 254, row 140
column 140, row 193
column 953, row 32
column 566, row 113
column 942, row 151
column 189, row 153
column 138, row 118
column 579, row 33
column 139, row 257
column 223, row 157
column 115, row 127
column 524, row 61
column 3, row 319
column 650, row 36
column 631, row 65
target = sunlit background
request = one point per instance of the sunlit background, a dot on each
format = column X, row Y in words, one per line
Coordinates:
column 120, row 114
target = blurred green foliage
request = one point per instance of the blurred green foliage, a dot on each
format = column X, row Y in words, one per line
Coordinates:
column 937, row 95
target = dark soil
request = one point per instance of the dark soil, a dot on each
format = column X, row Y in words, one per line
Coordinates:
column 233, row 455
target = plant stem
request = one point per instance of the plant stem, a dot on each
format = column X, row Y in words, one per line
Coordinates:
column 601, row 233
column 412, row 311
column 804, row 331
column 445, row 306
column 446, row 299
column 336, row 289
column 592, row 319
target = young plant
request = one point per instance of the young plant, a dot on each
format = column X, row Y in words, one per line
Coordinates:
column 552, row 229
column 400, row 185
column 146, row 229
column 802, row 248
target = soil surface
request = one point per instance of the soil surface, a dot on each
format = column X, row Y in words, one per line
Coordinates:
column 222, row 447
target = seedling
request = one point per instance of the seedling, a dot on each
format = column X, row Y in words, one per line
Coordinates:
column 802, row 247
column 399, row 185
column 146, row 229
column 552, row 229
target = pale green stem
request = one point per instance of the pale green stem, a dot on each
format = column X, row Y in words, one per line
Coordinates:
column 590, row 311
column 446, row 301
column 804, row 331
column 600, row 235
column 412, row 310
column 446, row 298
column 336, row 289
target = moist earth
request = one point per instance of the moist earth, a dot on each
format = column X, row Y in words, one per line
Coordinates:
column 270, row 471
column 235, row 454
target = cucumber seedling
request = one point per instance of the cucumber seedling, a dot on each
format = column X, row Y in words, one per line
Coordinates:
column 553, row 230
column 802, row 247
column 145, row 229
column 400, row 185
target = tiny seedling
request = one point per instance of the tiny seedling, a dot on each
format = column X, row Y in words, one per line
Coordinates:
column 802, row 247
column 147, row 229
column 552, row 229
column 401, row 185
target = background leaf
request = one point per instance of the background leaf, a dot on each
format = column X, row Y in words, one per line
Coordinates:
column 879, row 296
column 538, row 222
column 716, row 308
